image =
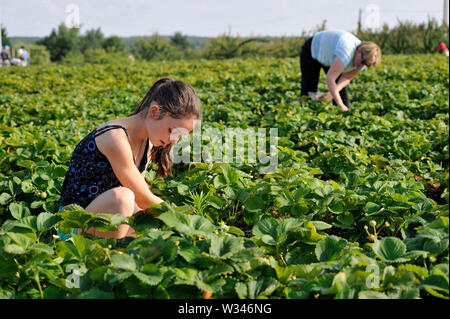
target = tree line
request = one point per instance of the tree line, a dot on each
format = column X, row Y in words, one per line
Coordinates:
column 67, row 45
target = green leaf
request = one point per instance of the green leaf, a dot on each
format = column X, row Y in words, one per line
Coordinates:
column 8, row 267
column 436, row 245
column 96, row 293
column 274, row 231
column 27, row 187
column 225, row 247
column 26, row 163
column 19, row 210
column 254, row 204
column 435, row 282
column 389, row 249
column 320, row 225
column 151, row 275
column 5, row 198
column 101, row 224
column 370, row 294
column 189, row 224
column 183, row 189
column 371, row 208
column 235, row 231
column 46, row 221
column 74, row 216
column 123, row 261
column 150, row 253
column 190, row 253
column 330, row 248
column 253, row 289
column 14, row 249
column 421, row 272
column 29, row 222
column 23, row 240
column 336, row 207
column 37, row 203
column 340, row 287
column 345, row 221
column 43, row 248
column 118, row 219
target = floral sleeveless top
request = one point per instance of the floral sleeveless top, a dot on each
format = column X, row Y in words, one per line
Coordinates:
column 89, row 173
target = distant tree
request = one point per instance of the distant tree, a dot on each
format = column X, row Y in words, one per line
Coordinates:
column 154, row 48
column 93, row 39
column 5, row 39
column 226, row 47
column 181, row 41
column 38, row 54
column 61, row 41
column 113, row 44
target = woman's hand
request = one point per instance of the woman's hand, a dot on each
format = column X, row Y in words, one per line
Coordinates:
column 344, row 108
column 325, row 96
column 328, row 96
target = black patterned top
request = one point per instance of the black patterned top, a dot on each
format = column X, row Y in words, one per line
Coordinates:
column 89, row 173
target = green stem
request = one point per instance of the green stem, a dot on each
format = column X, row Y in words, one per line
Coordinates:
column 36, row 278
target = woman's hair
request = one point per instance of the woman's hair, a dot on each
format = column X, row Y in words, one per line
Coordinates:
column 176, row 99
column 371, row 52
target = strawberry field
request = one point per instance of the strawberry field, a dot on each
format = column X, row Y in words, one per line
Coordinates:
column 357, row 208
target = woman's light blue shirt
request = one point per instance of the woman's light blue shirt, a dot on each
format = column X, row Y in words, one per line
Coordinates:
column 327, row 45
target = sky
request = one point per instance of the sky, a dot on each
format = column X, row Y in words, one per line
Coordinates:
column 210, row 18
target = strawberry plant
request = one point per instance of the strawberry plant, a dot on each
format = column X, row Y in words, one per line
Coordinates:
column 356, row 208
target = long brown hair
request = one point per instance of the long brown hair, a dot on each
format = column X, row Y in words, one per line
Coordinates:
column 176, row 99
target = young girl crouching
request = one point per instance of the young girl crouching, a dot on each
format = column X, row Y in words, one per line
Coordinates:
column 106, row 173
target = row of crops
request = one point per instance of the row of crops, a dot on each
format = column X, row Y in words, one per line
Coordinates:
column 357, row 208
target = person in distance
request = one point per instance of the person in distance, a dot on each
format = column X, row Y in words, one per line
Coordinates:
column 342, row 56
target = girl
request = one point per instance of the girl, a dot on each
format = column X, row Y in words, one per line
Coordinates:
column 106, row 173
column 342, row 56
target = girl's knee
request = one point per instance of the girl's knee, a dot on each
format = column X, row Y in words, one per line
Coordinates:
column 124, row 200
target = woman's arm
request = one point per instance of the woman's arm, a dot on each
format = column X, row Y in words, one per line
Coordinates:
column 333, row 73
column 342, row 83
column 114, row 145
column 345, row 79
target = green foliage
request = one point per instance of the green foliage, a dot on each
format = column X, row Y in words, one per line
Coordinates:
column 39, row 55
column 5, row 39
column 154, row 48
column 225, row 228
column 181, row 41
column 113, row 44
column 69, row 46
column 61, row 41
column 92, row 39
column 408, row 37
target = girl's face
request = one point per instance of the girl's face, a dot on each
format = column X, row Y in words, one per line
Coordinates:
column 167, row 130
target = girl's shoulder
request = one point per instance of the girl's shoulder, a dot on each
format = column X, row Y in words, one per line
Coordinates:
column 106, row 137
column 111, row 122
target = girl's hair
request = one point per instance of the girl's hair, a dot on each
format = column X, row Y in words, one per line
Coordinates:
column 176, row 99
column 371, row 52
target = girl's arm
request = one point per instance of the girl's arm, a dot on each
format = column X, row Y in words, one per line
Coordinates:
column 114, row 145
